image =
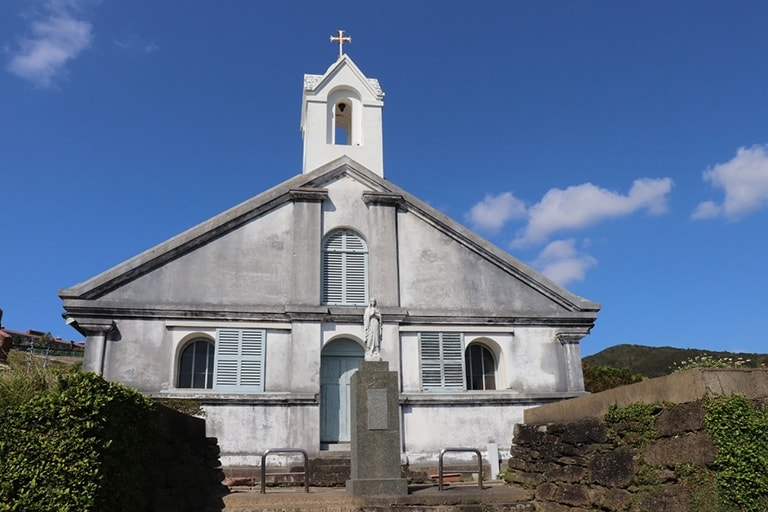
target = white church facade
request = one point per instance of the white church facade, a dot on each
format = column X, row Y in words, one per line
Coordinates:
column 257, row 313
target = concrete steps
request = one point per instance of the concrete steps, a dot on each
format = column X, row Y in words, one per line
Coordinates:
column 332, row 469
column 328, row 473
column 328, row 470
column 455, row 498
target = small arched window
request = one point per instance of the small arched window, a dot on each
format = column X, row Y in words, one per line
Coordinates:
column 345, row 269
column 196, row 365
column 480, row 367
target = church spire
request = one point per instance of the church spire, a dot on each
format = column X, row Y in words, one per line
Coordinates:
column 341, row 115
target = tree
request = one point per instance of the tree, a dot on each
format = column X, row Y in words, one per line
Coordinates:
column 602, row 378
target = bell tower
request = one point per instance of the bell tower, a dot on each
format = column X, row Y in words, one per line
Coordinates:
column 341, row 115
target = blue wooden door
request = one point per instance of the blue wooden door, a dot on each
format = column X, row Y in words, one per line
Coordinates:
column 340, row 359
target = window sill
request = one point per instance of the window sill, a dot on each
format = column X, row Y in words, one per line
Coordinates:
column 205, row 397
column 504, row 396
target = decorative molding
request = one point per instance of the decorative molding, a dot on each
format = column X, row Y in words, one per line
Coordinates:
column 311, row 81
column 91, row 327
column 484, row 398
column 262, row 399
column 383, row 198
column 468, row 330
column 308, row 194
column 374, row 83
column 202, row 324
column 571, row 336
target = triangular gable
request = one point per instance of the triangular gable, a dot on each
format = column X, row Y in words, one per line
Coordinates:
column 315, row 83
column 275, row 197
column 321, row 177
column 186, row 241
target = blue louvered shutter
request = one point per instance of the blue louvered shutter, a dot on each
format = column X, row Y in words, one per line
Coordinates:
column 333, row 269
column 345, row 270
column 442, row 361
column 239, row 362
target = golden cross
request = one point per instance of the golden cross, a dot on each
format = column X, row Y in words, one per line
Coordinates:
column 341, row 38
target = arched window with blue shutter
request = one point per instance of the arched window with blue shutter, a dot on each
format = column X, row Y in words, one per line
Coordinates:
column 344, row 269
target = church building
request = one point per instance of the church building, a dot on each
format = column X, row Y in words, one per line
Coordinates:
column 257, row 313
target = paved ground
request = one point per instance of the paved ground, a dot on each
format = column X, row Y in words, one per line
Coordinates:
column 494, row 495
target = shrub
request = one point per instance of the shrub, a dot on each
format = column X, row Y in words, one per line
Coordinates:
column 602, row 378
column 84, row 444
column 706, row 361
column 19, row 384
column 632, row 424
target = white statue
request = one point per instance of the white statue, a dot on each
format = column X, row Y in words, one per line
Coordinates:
column 372, row 327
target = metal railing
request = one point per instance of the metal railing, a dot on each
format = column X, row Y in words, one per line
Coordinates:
column 274, row 451
column 464, row 450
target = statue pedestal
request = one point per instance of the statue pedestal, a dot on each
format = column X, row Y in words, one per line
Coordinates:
column 375, row 443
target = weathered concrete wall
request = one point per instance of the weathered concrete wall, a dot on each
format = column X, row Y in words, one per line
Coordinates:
column 676, row 388
column 442, row 275
column 427, row 429
column 246, row 266
column 530, row 360
column 137, row 356
column 246, row 431
column 345, row 208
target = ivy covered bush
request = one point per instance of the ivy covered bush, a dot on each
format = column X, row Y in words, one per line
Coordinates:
column 739, row 429
column 78, row 444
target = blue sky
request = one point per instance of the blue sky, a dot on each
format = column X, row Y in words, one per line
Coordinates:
column 619, row 147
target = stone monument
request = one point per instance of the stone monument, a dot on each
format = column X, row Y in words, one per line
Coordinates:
column 375, row 439
column 375, row 436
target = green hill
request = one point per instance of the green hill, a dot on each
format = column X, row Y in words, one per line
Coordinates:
column 659, row 361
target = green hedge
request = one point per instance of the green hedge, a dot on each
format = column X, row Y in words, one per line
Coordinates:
column 86, row 445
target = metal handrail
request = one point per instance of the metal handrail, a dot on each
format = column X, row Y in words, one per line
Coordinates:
column 272, row 451
column 467, row 450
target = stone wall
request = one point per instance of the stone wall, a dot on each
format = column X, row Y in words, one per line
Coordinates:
column 192, row 473
column 584, row 465
column 678, row 388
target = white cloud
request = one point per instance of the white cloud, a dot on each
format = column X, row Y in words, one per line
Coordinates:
column 706, row 210
column 493, row 212
column 562, row 262
column 56, row 38
column 583, row 205
column 744, row 179
column 136, row 42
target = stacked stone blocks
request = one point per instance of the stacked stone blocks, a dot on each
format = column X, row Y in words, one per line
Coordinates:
column 583, row 466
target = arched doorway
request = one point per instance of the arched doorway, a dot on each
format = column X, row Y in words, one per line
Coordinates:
column 338, row 361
